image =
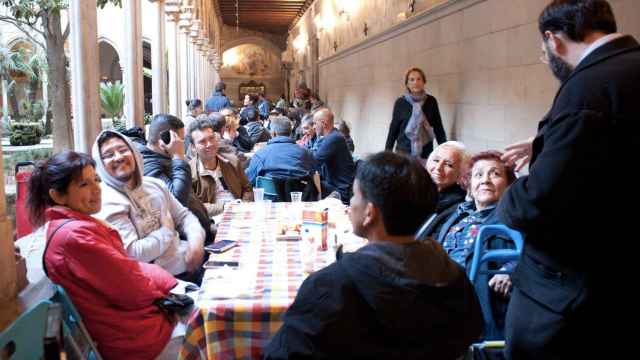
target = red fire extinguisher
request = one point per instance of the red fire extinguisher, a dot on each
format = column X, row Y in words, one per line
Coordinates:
column 23, row 225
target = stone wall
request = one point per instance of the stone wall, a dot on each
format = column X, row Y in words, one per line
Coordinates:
column 481, row 58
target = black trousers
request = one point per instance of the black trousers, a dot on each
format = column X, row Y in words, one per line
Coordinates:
column 585, row 330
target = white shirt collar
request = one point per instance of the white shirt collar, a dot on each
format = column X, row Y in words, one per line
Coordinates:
column 596, row 44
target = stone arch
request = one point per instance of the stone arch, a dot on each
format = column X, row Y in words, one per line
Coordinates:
column 256, row 40
column 17, row 40
column 113, row 44
column 110, row 67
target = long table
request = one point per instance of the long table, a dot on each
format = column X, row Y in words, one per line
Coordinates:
column 241, row 308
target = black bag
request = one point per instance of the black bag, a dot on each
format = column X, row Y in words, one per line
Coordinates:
column 175, row 304
column 284, row 187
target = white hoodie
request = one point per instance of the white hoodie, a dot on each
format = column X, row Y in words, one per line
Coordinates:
column 147, row 216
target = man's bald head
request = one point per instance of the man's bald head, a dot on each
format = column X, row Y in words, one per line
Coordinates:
column 323, row 121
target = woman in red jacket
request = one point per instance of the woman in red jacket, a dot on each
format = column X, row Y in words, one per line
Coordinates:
column 113, row 292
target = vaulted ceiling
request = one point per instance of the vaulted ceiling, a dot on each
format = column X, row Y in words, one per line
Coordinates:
column 273, row 16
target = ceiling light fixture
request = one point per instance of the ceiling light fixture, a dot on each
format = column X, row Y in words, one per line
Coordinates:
column 237, row 18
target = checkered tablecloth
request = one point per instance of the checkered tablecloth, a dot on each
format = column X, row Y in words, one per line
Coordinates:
column 240, row 309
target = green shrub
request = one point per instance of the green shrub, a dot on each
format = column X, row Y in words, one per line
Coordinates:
column 27, row 133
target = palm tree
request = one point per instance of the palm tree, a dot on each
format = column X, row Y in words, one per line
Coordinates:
column 112, row 100
column 36, row 66
column 9, row 61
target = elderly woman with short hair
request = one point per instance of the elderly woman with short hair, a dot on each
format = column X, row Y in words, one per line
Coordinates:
column 486, row 180
column 446, row 164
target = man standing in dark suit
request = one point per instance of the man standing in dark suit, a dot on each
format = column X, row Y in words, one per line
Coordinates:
column 571, row 296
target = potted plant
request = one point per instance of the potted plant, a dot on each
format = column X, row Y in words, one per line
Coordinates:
column 112, row 101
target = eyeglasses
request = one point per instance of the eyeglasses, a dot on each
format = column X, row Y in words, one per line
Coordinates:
column 111, row 154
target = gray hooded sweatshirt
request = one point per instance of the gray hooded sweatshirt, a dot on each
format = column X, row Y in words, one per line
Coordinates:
column 148, row 217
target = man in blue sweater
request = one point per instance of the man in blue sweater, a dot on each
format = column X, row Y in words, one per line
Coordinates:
column 333, row 159
column 282, row 157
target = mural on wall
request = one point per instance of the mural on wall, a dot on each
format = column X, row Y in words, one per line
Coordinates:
column 251, row 60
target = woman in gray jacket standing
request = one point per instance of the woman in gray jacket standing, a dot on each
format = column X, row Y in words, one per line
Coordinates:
column 416, row 119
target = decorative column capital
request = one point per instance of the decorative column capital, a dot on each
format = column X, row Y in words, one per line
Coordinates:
column 172, row 9
column 185, row 19
column 195, row 30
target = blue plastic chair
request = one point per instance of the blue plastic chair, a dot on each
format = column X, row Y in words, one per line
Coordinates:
column 481, row 257
column 77, row 334
column 24, row 339
column 266, row 183
column 479, row 273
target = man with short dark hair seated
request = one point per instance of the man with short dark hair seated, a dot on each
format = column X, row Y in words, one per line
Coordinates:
column 217, row 178
column 282, row 157
column 395, row 298
column 165, row 159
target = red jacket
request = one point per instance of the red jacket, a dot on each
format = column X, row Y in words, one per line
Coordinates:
column 113, row 293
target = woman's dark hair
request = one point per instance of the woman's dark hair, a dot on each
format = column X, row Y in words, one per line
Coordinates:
column 577, row 18
column 401, row 188
column 55, row 173
column 414, row 69
column 218, row 121
column 465, row 179
column 253, row 98
column 193, row 104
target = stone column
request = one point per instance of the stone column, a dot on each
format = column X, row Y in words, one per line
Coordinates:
column 183, row 55
column 8, row 279
column 203, row 72
column 193, row 66
column 195, row 74
column 133, row 83
column 217, row 65
column 158, row 82
column 172, row 8
column 84, row 73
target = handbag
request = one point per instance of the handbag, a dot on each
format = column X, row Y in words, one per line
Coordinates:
column 175, row 304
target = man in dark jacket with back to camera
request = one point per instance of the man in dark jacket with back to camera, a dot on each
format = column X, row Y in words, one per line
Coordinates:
column 218, row 99
column 395, row 298
column 572, row 296
column 332, row 156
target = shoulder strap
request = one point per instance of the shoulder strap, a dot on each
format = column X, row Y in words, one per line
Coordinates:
column 49, row 239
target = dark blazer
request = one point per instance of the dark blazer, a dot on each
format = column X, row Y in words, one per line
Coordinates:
column 402, row 110
column 565, row 207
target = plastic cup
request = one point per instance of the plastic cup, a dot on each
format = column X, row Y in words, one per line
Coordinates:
column 296, row 196
column 258, row 194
